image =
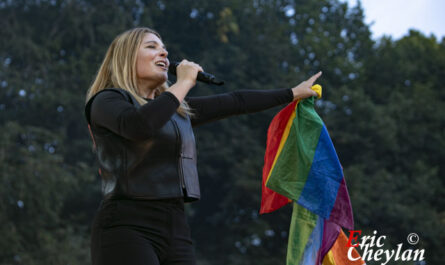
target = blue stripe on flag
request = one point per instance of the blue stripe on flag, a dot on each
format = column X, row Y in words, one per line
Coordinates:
column 323, row 182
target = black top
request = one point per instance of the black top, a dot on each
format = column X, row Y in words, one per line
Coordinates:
column 111, row 110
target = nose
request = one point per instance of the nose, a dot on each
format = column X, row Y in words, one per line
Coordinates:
column 164, row 52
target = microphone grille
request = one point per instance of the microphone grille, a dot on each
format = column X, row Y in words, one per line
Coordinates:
column 172, row 68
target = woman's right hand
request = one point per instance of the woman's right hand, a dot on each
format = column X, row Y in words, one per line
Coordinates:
column 187, row 72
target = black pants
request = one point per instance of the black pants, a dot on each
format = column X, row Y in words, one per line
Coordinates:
column 132, row 232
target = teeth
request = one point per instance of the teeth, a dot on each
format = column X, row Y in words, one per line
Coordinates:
column 161, row 64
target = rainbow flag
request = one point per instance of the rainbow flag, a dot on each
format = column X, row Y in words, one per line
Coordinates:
column 337, row 255
column 301, row 165
column 314, row 240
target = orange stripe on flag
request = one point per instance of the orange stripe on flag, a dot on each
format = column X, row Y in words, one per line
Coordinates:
column 338, row 255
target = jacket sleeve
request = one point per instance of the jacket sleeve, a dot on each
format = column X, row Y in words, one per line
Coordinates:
column 216, row 107
column 112, row 111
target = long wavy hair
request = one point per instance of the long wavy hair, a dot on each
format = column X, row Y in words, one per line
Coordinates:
column 118, row 69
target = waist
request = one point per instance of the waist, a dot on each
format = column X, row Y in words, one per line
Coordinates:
column 140, row 214
column 171, row 202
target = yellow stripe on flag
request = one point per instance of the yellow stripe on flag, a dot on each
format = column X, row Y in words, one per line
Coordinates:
column 329, row 259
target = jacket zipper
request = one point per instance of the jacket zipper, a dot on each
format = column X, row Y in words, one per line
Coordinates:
column 178, row 145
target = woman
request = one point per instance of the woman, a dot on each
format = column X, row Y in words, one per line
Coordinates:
column 143, row 138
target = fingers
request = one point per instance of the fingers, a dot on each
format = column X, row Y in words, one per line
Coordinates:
column 314, row 77
column 185, row 62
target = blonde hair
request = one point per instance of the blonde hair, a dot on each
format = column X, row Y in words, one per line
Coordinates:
column 118, row 69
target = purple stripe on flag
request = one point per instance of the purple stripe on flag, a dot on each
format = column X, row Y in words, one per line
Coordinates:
column 341, row 214
column 330, row 234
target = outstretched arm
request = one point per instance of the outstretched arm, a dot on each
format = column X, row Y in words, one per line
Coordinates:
column 216, row 107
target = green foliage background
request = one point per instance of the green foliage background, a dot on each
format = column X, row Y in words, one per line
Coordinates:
column 383, row 104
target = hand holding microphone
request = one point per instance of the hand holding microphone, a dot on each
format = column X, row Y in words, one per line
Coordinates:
column 187, row 71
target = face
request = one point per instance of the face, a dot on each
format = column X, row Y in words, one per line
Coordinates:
column 151, row 61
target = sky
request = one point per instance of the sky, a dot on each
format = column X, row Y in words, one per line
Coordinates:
column 396, row 17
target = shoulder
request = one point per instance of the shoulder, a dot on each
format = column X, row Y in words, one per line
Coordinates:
column 111, row 93
column 105, row 97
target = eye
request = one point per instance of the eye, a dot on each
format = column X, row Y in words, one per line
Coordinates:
column 151, row 46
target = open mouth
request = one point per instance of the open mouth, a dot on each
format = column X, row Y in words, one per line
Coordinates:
column 161, row 64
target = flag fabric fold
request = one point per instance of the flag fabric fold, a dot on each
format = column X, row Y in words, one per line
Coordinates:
column 301, row 166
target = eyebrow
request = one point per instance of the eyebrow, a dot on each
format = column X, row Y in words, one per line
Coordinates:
column 163, row 46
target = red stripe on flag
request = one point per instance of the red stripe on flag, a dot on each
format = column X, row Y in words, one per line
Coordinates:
column 271, row 200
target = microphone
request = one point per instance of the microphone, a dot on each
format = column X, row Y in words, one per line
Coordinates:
column 202, row 76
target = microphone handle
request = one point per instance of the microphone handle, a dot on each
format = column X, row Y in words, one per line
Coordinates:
column 208, row 78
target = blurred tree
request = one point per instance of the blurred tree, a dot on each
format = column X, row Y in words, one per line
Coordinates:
column 403, row 159
column 49, row 52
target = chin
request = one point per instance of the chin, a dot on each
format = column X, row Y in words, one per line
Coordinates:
column 163, row 79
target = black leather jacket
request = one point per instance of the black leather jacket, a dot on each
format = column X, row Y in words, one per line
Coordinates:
column 163, row 166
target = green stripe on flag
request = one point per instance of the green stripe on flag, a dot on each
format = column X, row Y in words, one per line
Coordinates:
column 302, row 224
column 292, row 167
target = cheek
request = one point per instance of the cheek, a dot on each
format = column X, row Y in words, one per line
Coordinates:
column 140, row 67
column 143, row 64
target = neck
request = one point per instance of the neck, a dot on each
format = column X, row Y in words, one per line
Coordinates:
column 147, row 89
column 145, row 93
